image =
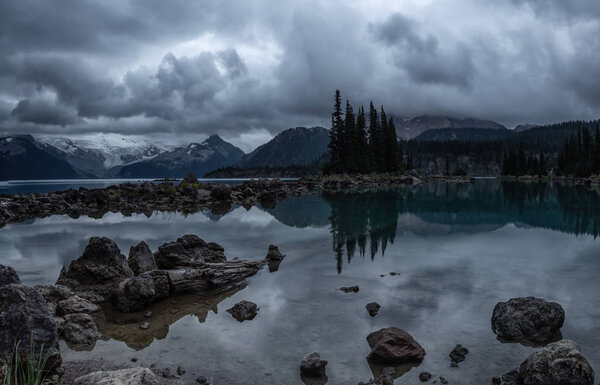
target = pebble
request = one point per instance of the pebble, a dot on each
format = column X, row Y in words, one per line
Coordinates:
column 144, row 325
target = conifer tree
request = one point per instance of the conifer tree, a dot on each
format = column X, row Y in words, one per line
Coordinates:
column 337, row 124
column 374, row 139
column 350, row 147
column 363, row 143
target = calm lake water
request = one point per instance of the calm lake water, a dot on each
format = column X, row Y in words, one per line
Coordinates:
column 457, row 249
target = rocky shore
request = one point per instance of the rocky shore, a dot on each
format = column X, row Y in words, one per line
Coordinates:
column 186, row 197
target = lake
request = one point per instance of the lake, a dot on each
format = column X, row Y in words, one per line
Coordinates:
column 457, row 249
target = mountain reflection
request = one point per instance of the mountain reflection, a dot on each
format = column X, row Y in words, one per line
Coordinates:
column 365, row 222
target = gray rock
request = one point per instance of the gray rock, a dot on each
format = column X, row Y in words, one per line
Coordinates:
column 349, row 289
column 559, row 363
column 138, row 292
column 221, row 192
column 458, row 354
column 79, row 330
column 373, row 308
column 385, row 378
column 141, row 259
column 188, row 250
column 134, row 376
column 244, row 311
column 312, row 365
column 394, row 346
column 424, row 376
column 274, row 254
column 25, row 319
column 54, row 293
column 75, row 304
column 8, row 275
column 100, row 268
column 528, row 319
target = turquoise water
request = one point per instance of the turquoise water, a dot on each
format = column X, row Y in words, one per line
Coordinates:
column 457, row 249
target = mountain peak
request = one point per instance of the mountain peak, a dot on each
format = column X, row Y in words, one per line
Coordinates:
column 214, row 140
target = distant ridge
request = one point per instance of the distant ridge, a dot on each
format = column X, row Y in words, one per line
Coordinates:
column 411, row 128
column 298, row 146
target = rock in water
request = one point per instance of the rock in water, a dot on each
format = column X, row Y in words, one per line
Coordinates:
column 274, row 254
column 8, row 275
column 188, row 250
column 373, row 308
column 138, row 292
column 458, row 354
column 424, row 376
column 558, row 363
column 79, row 330
column 312, row 365
column 141, row 259
column 510, row 378
column 134, row 376
column 528, row 319
column 244, row 311
column 25, row 319
column 350, row 289
column 100, row 268
column 394, row 346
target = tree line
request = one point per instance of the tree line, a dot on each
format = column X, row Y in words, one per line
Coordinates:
column 579, row 156
column 356, row 147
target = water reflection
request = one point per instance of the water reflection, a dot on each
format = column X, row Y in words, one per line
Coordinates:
column 366, row 222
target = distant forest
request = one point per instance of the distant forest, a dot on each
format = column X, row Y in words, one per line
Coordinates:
column 360, row 146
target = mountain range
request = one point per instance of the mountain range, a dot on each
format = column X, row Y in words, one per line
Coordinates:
column 26, row 157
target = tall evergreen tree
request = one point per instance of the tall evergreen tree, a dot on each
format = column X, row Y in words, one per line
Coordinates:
column 350, row 146
column 391, row 141
column 374, row 139
column 363, row 143
column 337, row 123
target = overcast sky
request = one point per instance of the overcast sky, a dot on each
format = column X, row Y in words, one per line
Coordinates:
column 180, row 70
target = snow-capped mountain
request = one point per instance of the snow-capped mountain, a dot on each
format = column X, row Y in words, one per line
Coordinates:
column 105, row 151
column 200, row 158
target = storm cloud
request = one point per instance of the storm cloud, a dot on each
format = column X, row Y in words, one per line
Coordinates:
column 248, row 70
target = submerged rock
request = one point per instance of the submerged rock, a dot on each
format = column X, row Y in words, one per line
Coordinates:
column 25, row 320
column 349, row 289
column 373, row 308
column 385, row 378
column 100, row 268
column 8, row 275
column 510, row 378
column 141, row 258
column 312, row 365
column 458, row 354
column 394, row 346
column 528, row 319
column 244, row 311
column 134, row 376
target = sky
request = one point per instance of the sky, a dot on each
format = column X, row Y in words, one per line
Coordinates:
column 179, row 70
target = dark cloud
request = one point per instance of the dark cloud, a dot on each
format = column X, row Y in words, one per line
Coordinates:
column 420, row 55
column 155, row 67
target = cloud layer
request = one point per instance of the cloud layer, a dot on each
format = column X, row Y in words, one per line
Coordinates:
column 242, row 69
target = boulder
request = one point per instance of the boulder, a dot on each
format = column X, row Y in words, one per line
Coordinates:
column 100, row 268
column 274, row 254
column 79, row 330
column 188, row 250
column 221, row 192
column 424, row 376
column 75, row 304
column 8, row 275
column 244, row 311
column 312, row 365
column 373, row 308
column 134, row 376
column 528, row 319
column 558, row 363
column 25, row 320
column 394, row 346
column 141, row 259
column 138, row 292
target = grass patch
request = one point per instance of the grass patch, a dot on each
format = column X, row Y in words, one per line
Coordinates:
column 29, row 369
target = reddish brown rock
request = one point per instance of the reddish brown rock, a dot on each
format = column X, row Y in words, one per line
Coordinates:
column 394, row 346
